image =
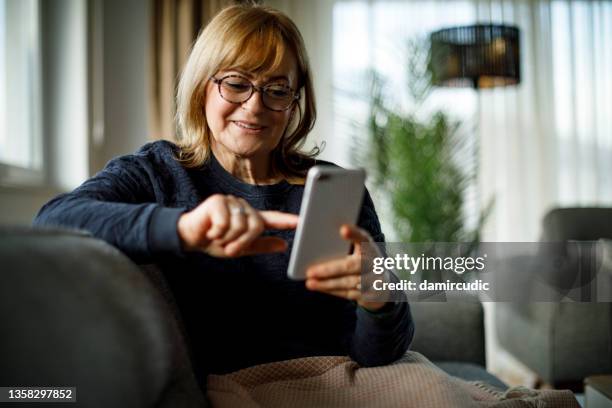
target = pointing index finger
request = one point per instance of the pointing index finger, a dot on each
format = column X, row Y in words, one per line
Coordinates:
column 279, row 220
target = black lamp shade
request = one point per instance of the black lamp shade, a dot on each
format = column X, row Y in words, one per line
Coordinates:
column 481, row 56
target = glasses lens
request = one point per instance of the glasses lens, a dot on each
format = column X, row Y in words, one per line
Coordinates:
column 235, row 89
column 278, row 97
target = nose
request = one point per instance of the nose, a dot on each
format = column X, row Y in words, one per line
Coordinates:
column 254, row 103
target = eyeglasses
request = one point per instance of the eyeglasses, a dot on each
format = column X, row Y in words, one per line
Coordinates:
column 237, row 89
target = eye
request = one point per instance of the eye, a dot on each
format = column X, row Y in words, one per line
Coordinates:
column 279, row 91
column 236, row 84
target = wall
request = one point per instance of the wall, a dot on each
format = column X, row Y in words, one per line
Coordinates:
column 69, row 89
column 125, row 55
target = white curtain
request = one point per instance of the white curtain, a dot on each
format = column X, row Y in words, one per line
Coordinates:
column 545, row 143
column 548, row 142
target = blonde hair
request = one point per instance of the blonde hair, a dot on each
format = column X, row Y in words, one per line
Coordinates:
column 253, row 38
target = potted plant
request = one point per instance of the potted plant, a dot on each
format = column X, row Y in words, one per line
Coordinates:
column 420, row 159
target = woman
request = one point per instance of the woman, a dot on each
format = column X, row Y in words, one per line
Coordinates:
column 217, row 211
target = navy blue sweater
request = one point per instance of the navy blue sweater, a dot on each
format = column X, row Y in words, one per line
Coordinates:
column 237, row 312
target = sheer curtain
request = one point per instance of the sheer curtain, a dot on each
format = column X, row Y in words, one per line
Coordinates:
column 545, row 143
column 548, row 142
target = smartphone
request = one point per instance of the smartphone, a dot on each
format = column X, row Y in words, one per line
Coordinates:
column 332, row 196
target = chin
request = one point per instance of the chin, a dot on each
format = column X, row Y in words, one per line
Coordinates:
column 248, row 150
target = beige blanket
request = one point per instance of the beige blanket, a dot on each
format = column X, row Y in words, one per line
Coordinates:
column 412, row 381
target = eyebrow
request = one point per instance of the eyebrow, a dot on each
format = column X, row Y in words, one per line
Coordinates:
column 250, row 76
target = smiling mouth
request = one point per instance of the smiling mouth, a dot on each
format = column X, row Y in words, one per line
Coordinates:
column 248, row 126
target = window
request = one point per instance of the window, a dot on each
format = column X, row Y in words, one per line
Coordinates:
column 20, row 92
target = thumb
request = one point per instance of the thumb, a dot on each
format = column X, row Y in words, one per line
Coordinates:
column 356, row 235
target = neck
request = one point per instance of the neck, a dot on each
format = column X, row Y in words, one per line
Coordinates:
column 252, row 170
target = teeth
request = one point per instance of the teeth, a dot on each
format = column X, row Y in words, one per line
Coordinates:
column 247, row 126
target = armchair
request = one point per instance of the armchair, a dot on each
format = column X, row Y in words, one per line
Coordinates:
column 562, row 342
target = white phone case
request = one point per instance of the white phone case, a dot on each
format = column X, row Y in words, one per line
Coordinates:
column 332, row 197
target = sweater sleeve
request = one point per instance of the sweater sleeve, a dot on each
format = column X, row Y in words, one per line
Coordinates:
column 119, row 206
column 380, row 337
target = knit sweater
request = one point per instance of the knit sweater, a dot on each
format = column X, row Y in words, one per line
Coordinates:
column 237, row 312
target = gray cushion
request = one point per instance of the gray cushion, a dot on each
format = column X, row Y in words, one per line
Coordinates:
column 581, row 224
column 452, row 331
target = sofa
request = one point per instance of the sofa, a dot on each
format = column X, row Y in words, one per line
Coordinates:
column 77, row 312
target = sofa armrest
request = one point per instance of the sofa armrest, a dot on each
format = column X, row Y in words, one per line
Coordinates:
column 77, row 312
column 451, row 331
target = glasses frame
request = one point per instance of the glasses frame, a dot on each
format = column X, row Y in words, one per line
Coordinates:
column 254, row 88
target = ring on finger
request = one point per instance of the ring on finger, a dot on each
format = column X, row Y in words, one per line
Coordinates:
column 237, row 210
column 358, row 286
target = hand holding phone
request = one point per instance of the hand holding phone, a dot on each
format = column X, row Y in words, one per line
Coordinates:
column 332, row 197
